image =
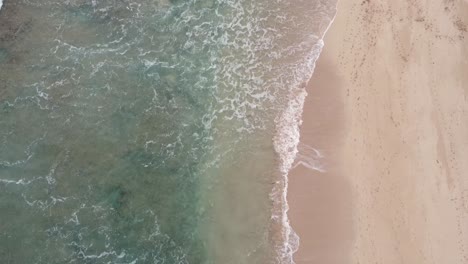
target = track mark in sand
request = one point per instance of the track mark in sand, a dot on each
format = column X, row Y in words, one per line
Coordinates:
column 461, row 211
column 460, row 25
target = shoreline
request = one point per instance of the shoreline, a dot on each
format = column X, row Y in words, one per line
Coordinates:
column 286, row 143
column 394, row 189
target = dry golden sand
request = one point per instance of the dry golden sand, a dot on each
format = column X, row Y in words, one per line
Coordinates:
column 396, row 190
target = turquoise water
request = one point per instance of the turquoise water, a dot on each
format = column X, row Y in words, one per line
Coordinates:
column 144, row 131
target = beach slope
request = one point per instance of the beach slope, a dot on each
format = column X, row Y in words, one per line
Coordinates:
column 397, row 170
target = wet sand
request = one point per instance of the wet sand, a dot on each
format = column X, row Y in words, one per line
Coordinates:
column 320, row 211
column 392, row 81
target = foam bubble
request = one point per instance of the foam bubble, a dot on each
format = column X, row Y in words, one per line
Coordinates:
column 1, row 4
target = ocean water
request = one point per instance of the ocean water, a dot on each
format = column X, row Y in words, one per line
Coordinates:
column 151, row 131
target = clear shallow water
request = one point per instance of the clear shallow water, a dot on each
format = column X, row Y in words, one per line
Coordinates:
column 150, row 131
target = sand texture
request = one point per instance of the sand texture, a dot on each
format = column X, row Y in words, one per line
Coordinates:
column 396, row 186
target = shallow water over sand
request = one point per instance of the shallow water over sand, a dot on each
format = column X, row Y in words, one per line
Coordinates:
column 142, row 131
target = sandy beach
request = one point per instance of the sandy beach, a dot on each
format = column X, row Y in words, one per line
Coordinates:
column 388, row 109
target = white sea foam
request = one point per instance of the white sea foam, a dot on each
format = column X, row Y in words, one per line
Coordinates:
column 286, row 143
column 309, row 157
column 18, row 182
column 1, row 4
